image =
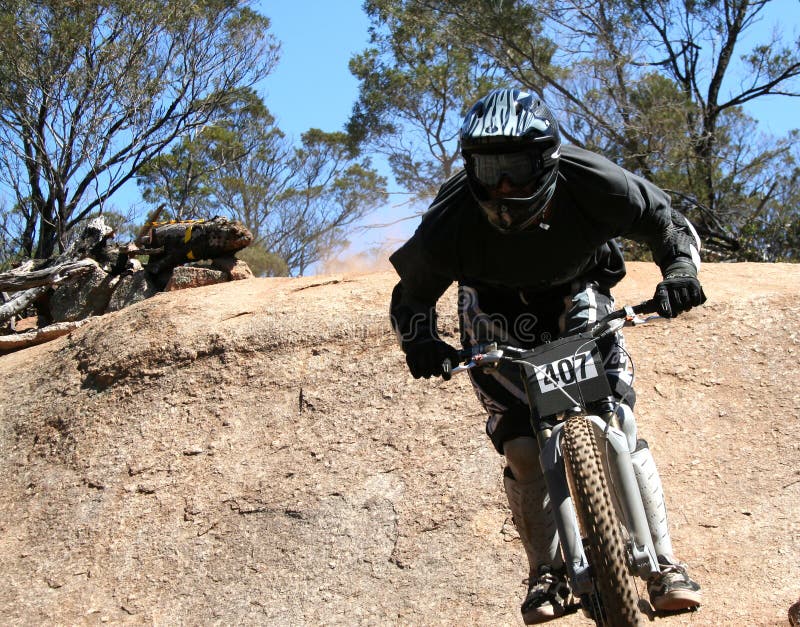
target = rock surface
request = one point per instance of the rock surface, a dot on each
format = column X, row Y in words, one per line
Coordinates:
column 185, row 277
column 255, row 452
column 133, row 287
column 236, row 269
column 83, row 296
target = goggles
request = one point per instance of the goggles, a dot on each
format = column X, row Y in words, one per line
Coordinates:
column 521, row 168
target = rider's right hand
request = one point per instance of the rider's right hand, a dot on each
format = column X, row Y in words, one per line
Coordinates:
column 425, row 358
column 678, row 293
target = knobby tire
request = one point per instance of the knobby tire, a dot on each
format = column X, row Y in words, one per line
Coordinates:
column 618, row 597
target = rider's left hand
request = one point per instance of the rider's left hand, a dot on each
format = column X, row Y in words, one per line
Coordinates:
column 678, row 292
column 426, row 356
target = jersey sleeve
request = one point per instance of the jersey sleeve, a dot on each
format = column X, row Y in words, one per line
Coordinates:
column 427, row 265
column 418, row 273
column 413, row 307
column 652, row 221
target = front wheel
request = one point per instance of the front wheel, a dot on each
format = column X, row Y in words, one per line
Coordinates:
column 615, row 598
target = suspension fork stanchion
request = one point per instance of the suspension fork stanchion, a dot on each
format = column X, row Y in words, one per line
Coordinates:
column 613, row 444
column 566, row 518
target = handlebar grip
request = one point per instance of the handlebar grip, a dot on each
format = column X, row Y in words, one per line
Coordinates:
column 465, row 354
column 647, row 307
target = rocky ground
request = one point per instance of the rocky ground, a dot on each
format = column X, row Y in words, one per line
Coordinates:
column 256, row 453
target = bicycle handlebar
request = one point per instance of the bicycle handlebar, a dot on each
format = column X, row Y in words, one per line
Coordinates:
column 492, row 354
column 647, row 307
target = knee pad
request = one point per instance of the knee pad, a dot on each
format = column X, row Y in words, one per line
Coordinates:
column 522, row 457
column 533, row 518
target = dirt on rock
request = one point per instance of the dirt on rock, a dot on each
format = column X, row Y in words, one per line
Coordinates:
column 256, row 453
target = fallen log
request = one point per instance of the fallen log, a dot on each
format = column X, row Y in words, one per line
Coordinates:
column 18, row 341
column 51, row 284
column 16, row 281
column 20, row 302
column 91, row 238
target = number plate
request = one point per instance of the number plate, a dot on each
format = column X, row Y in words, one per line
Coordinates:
column 562, row 369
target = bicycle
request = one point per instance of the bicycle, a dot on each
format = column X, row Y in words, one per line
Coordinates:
column 603, row 533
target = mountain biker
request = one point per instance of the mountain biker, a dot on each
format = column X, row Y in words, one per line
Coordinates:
column 528, row 230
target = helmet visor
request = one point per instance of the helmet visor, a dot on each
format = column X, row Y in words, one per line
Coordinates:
column 520, row 168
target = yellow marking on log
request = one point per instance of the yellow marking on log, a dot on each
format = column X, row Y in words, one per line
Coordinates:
column 188, row 235
column 168, row 222
column 190, row 255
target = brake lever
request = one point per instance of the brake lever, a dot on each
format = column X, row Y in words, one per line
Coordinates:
column 488, row 358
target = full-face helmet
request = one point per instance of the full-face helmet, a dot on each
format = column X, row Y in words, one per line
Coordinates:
column 511, row 147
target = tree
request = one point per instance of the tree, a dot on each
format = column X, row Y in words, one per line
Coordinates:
column 717, row 158
column 10, row 222
column 238, row 165
column 175, row 180
column 248, row 165
column 651, row 84
column 91, row 90
column 263, row 263
column 416, row 84
column 330, row 189
column 296, row 201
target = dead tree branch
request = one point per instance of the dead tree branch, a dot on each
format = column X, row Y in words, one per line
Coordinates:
column 93, row 235
column 16, row 281
column 10, row 343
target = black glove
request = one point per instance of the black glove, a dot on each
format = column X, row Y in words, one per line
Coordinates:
column 425, row 358
column 678, row 292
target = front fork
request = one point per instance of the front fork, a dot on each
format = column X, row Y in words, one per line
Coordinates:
column 613, row 446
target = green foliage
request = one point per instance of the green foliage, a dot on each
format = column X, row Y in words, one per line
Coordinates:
column 297, row 201
column 262, row 262
column 176, row 180
column 772, row 232
column 416, row 84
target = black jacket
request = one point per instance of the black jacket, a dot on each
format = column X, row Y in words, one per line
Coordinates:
column 595, row 201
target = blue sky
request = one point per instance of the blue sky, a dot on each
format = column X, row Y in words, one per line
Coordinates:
column 312, row 86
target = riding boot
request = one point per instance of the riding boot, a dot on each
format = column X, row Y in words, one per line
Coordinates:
column 548, row 591
column 672, row 589
column 652, row 492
